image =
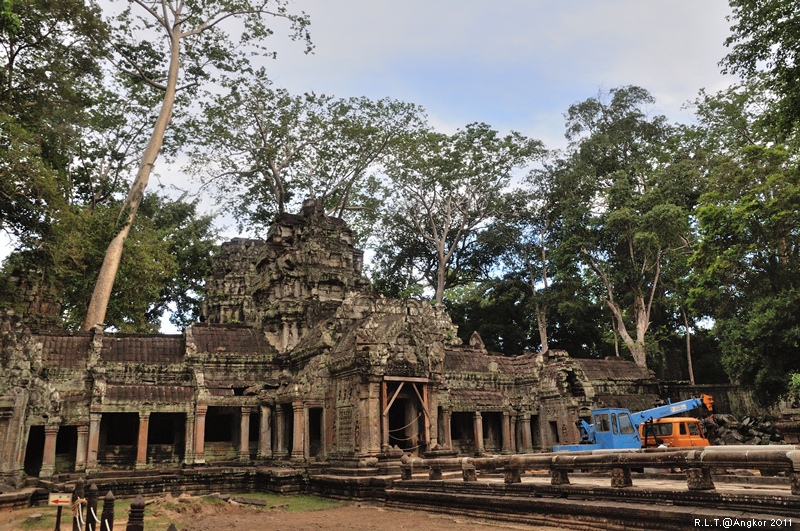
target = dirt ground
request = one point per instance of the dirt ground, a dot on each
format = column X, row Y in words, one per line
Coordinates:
column 356, row 516
column 360, row 516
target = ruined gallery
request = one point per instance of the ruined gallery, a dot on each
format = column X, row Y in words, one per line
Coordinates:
column 296, row 360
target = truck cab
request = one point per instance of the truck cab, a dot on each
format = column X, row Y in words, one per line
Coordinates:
column 610, row 428
column 674, row 432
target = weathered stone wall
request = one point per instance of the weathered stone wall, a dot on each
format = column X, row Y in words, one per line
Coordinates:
column 297, row 359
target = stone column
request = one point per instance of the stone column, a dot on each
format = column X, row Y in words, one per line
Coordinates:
column 508, row 446
column 298, row 434
column 513, row 434
column 141, row 446
column 49, row 455
column 384, row 418
column 280, row 429
column 200, row 434
column 244, row 435
column 433, row 409
column 265, row 434
column 478, row 425
column 94, row 440
column 188, row 440
column 306, row 432
column 371, row 439
column 81, row 448
column 525, row 426
column 447, row 432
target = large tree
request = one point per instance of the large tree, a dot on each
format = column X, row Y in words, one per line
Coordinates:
column 636, row 211
column 747, row 264
column 765, row 38
column 446, row 188
column 263, row 149
column 49, row 78
column 196, row 41
column 162, row 268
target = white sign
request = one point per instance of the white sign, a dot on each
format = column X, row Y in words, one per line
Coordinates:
column 60, row 499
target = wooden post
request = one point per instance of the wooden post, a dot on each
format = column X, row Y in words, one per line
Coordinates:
column 92, row 521
column 78, row 494
column 107, row 518
column 136, row 518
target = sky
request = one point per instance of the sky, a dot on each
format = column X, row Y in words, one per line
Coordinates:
column 513, row 64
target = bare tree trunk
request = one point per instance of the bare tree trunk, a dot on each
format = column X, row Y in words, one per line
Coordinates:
column 688, row 345
column 441, row 269
column 541, row 322
column 96, row 312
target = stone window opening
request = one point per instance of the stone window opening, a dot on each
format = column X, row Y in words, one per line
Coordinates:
column 554, row 436
column 119, row 433
column 165, row 437
column 221, row 434
column 493, row 432
column 462, row 425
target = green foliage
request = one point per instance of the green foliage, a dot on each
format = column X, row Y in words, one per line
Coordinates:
column 748, row 266
column 265, row 150
column 164, row 263
column 766, row 38
column 444, row 190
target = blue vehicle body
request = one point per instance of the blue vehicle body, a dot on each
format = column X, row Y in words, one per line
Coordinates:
column 618, row 428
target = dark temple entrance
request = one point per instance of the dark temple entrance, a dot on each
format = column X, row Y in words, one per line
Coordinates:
column 405, row 414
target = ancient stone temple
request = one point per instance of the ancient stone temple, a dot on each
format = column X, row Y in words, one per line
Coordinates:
column 296, row 359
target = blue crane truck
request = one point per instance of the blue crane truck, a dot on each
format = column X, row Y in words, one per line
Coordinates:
column 618, row 428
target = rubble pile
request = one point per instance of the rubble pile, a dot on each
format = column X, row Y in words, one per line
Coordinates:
column 749, row 430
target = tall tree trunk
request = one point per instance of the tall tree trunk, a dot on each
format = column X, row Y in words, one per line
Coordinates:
column 688, row 345
column 541, row 322
column 96, row 312
column 441, row 269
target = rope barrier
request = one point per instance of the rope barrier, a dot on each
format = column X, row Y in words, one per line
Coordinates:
column 77, row 512
column 407, row 425
column 95, row 519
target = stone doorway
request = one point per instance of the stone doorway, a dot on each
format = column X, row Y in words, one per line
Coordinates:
column 405, row 414
column 34, row 451
column 66, row 448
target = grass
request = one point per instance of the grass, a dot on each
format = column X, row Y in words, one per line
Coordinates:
column 293, row 503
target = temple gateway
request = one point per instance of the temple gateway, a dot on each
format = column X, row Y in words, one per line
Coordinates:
column 296, row 358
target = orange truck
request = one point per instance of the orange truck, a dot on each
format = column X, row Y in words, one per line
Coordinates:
column 673, row 432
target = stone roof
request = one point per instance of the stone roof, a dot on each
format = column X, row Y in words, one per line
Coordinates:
column 150, row 393
column 476, row 398
column 613, row 368
column 64, row 349
column 143, row 348
column 230, row 338
column 633, row 402
column 472, row 360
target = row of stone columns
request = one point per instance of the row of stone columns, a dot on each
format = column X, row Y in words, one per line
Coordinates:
column 508, row 431
column 88, row 440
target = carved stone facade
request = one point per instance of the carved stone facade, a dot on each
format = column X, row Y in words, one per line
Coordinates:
column 297, row 359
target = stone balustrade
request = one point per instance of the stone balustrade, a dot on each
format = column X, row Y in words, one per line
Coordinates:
column 696, row 463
